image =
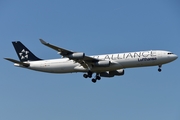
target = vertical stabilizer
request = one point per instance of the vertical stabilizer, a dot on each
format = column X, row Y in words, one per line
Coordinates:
column 24, row 53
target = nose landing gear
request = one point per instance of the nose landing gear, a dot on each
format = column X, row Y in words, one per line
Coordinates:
column 159, row 69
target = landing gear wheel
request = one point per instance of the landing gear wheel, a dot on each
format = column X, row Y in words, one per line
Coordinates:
column 98, row 77
column 159, row 70
column 88, row 75
column 85, row 75
column 94, row 80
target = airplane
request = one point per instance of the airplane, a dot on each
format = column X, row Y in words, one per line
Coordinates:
column 107, row 65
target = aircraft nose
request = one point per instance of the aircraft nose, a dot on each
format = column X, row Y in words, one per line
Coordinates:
column 176, row 56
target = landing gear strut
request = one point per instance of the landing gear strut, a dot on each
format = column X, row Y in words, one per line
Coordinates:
column 98, row 77
column 159, row 69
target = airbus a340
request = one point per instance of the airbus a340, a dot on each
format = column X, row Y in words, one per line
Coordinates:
column 108, row 65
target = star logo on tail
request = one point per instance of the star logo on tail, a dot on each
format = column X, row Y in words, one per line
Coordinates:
column 24, row 54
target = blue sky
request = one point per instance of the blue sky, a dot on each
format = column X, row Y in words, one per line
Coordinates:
column 93, row 27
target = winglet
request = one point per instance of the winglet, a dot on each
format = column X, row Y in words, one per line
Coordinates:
column 43, row 42
column 61, row 50
column 18, row 62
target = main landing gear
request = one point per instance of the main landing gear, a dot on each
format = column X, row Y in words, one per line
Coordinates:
column 159, row 69
column 97, row 77
column 89, row 75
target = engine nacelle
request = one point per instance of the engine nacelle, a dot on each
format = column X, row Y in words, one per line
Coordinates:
column 117, row 72
column 76, row 55
column 102, row 64
column 112, row 73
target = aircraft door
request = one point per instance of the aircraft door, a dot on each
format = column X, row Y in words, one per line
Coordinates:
column 44, row 64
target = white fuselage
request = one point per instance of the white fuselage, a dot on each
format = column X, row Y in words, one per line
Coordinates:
column 118, row 61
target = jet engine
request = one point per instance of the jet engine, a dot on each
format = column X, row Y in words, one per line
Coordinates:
column 112, row 73
column 78, row 55
column 102, row 64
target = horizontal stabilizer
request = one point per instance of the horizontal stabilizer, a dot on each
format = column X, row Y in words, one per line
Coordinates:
column 18, row 62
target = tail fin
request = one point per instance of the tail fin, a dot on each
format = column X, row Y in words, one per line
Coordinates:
column 24, row 53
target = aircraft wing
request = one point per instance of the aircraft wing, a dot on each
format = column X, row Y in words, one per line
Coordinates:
column 84, row 61
column 62, row 51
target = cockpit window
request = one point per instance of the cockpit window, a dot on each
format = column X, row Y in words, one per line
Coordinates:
column 170, row 53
